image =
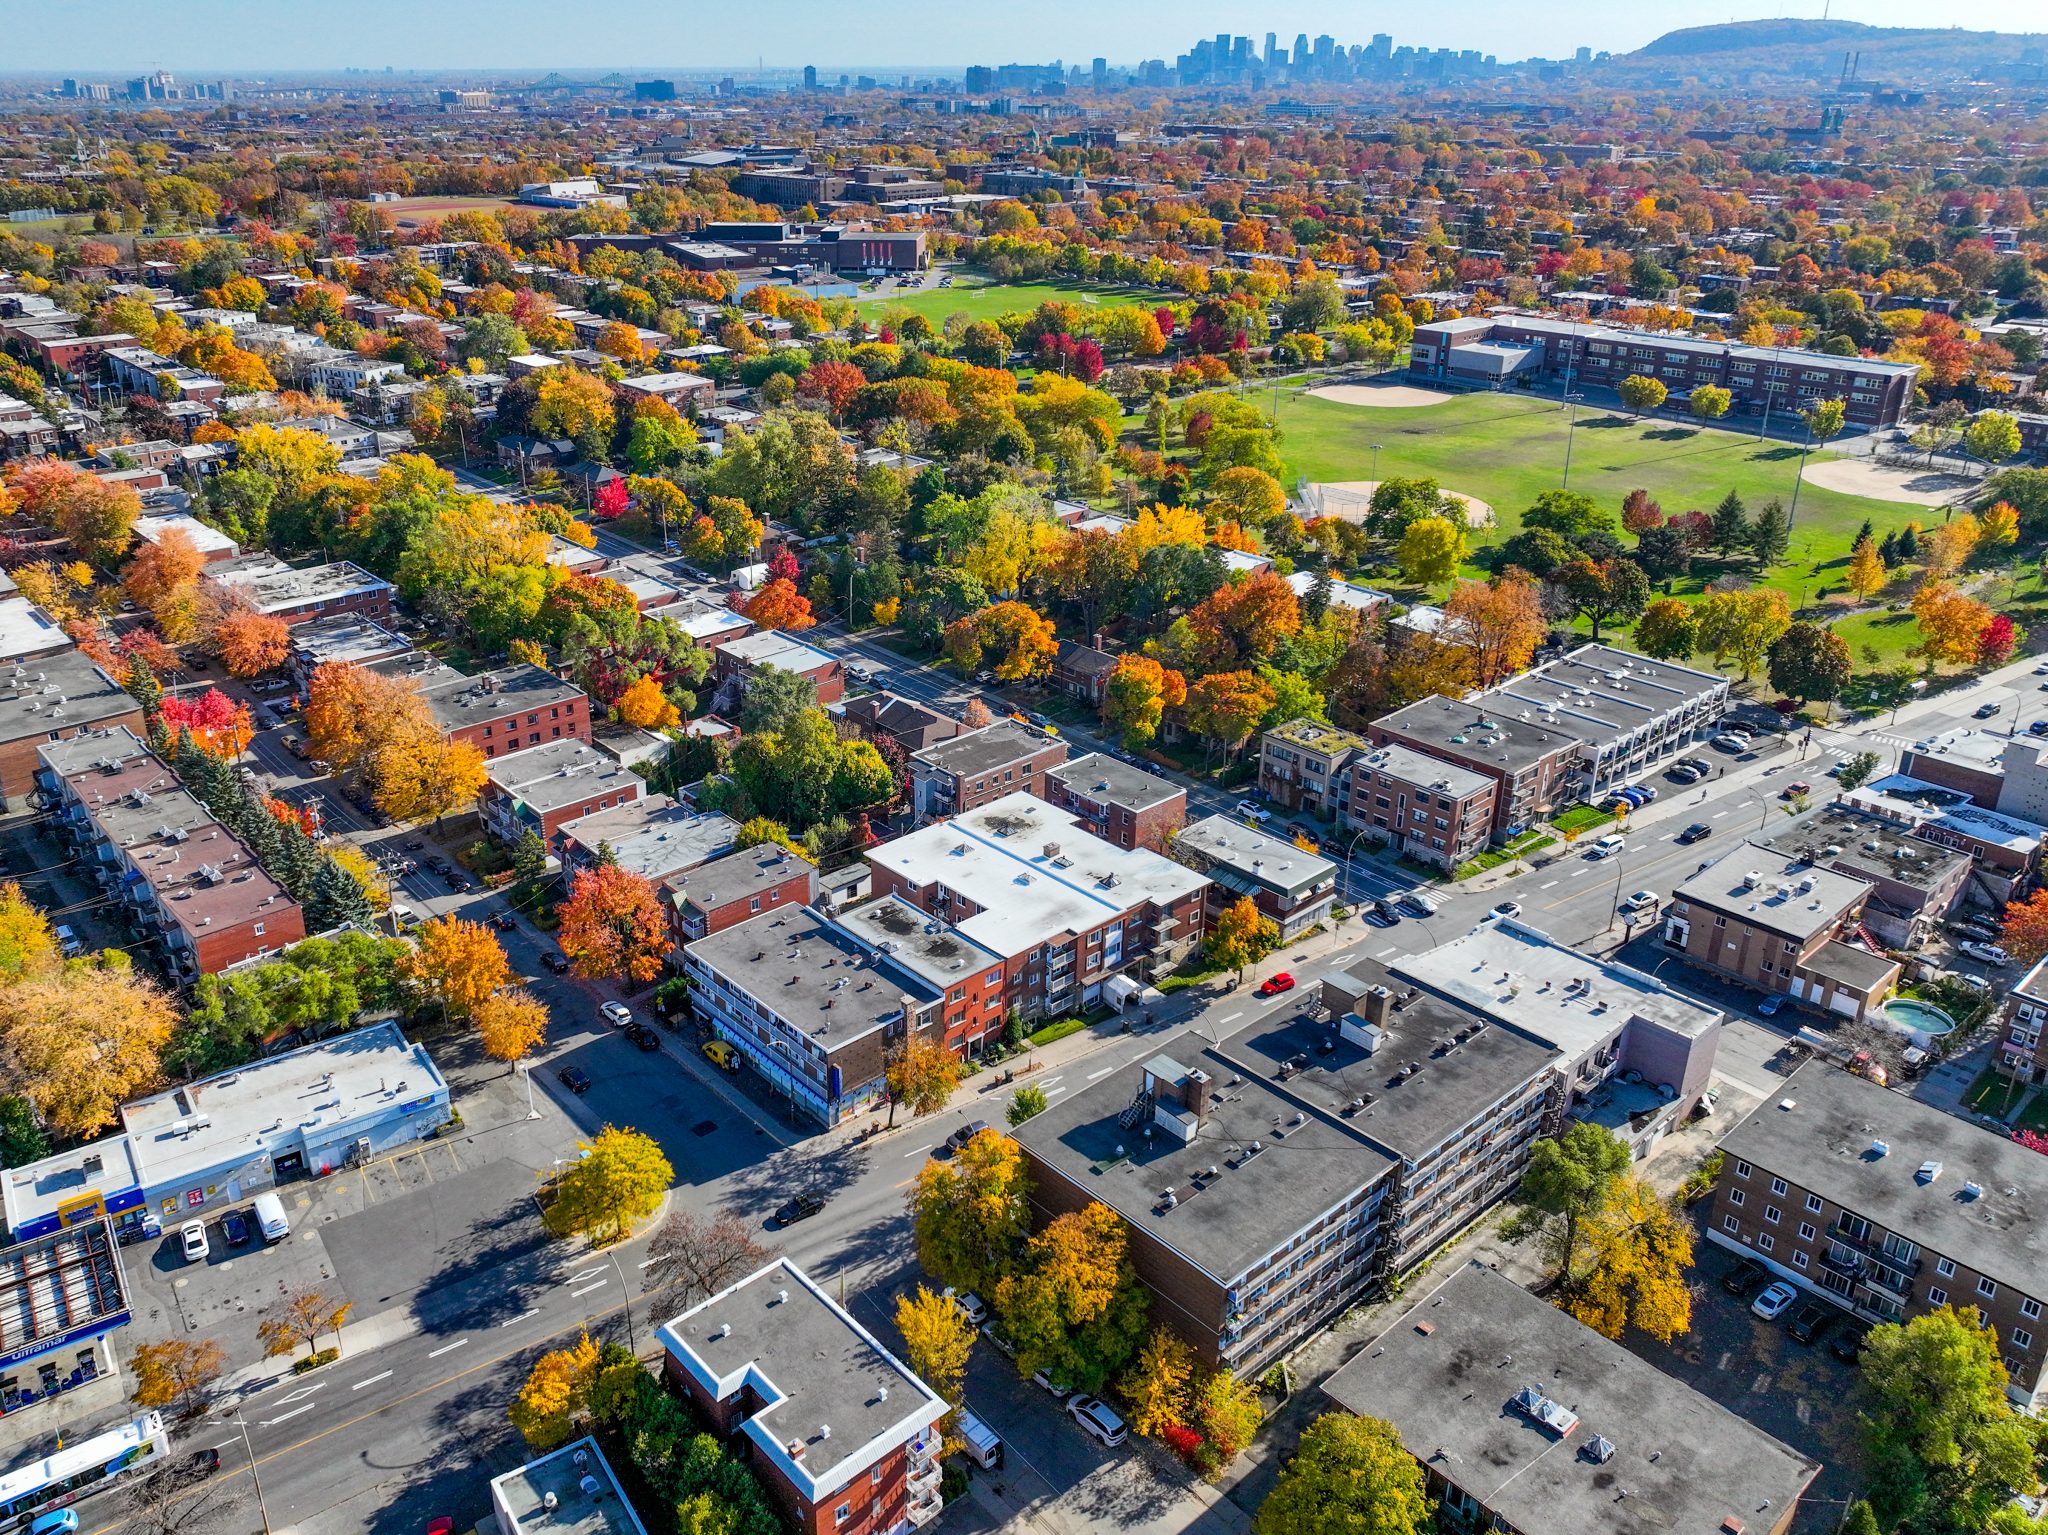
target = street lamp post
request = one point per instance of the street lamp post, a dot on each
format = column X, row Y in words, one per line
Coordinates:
column 619, row 1269
column 1799, row 477
column 254, row 1474
column 1376, row 475
column 1571, row 405
column 526, row 1071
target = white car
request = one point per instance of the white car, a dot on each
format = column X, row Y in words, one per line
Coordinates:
column 973, row 1310
column 1099, row 1419
column 1251, row 811
column 1775, row 1301
column 1642, row 900
column 1985, row 953
column 1729, row 741
column 617, row 1014
column 192, row 1236
column 1509, row 909
column 1607, row 846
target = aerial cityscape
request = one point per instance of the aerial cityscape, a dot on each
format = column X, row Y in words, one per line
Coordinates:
column 818, row 797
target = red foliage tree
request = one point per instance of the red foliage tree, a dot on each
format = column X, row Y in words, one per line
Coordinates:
column 1998, row 640
column 611, row 501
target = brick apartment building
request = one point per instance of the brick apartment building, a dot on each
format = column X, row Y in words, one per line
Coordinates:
column 511, row 709
column 1486, row 350
column 1303, row 765
column 1891, row 1208
column 1121, row 804
column 54, row 698
column 653, row 836
column 184, row 878
column 1295, row 889
column 815, row 1004
column 2026, row 1009
column 725, row 892
column 1783, row 926
column 1068, row 913
column 542, row 788
column 735, row 661
column 978, row 767
column 298, row 596
column 1914, row 882
column 844, row 1437
column 1432, row 810
column 1531, row 765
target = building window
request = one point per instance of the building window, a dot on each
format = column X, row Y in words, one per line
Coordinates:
column 875, row 1476
column 1735, row 1196
column 1987, row 1288
column 1936, row 1295
column 259, row 930
column 1813, row 1203
column 1799, row 1260
column 1806, row 1232
column 2021, row 1338
column 1730, row 1223
column 1771, row 1214
column 1742, row 1169
column 1777, row 1185
column 1766, row 1241
column 843, row 1512
column 2030, row 1309
column 1946, row 1267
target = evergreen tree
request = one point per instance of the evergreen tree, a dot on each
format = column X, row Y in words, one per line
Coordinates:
column 1731, row 524
column 143, row 687
column 335, row 898
column 1909, row 542
column 1769, row 537
column 1888, row 549
column 1866, row 531
column 529, row 857
column 296, row 862
column 1315, row 602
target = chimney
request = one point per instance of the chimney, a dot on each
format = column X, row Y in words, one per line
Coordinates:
column 1379, row 1005
column 1096, row 639
column 1194, row 1093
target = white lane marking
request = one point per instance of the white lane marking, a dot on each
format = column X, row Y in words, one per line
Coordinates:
column 371, row 1381
column 535, row 1311
column 1097, row 1076
column 584, row 1274
column 1233, row 1017
column 273, row 1422
column 1055, row 1092
column 1392, row 948
column 302, row 1393
column 1546, row 884
column 917, row 1153
column 1048, row 1081
column 449, row 1348
column 646, row 1263
column 588, row 1288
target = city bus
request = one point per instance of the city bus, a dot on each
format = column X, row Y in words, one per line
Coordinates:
column 80, row 1469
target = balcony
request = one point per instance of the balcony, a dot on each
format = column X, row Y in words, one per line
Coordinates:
column 923, row 1511
column 924, row 1480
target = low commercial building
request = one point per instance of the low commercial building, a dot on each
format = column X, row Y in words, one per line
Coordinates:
column 1118, row 802
column 1891, row 1208
column 1914, row 883
column 2026, row 1010
column 297, row 596
column 653, row 837
column 189, row 1153
column 1626, row 711
column 541, row 789
column 817, row 1003
column 978, row 767
column 1783, row 926
column 348, row 639
column 1295, row 889
column 727, row 891
column 843, row 1435
column 2005, row 852
column 62, row 1293
column 1523, row 1418
column 54, row 698
column 1068, row 913
column 186, row 880
column 570, row 1491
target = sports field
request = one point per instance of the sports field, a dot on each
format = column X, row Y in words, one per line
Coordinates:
column 984, row 301
column 1507, row 450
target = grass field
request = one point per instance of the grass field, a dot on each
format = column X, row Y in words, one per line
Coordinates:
column 1507, row 450
column 984, row 301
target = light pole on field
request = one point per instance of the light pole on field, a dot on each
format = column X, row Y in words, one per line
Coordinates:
column 1571, row 404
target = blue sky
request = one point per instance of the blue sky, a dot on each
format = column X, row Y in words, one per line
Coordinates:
column 645, row 36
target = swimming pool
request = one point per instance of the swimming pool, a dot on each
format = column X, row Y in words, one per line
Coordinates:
column 1922, row 1020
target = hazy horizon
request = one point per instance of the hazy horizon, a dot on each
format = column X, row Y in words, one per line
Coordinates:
column 207, row 37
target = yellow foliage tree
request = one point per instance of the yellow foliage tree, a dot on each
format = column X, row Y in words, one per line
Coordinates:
column 1950, row 623
column 177, row 1373
column 921, row 1074
column 2000, row 524
column 1155, row 1386
column 302, row 1315
column 422, row 775
column 1949, row 547
column 645, row 707
column 1638, row 1248
column 511, row 1023
column 1867, row 573
column 619, row 1178
column 937, row 1337
column 81, row 1041
column 1242, row 935
column 556, row 1397
column 459, row 964
column 27, row 945
column 360, row 867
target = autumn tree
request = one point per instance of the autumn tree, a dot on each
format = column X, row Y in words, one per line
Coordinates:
column 1350, row 1475
column 1073, row 1306
column 457, row 963
column 971, row 1212
column 1867, row 573
column 1225, row 1411
column 1431, row 550
column 645, row 706
column 1245, row 619
column 1641, row 393
column 1669, row 630
column 554, row 1403
column 612, row 925
column 1137, row 694
column 1602, row 591
column 1993, row 436
column 1637, row 1249
column 163, row 579
column 421, row 775
column 1241, row 936
column 511, row 1024
column 1567, row 1179
column 1155, row 1384
column 778, row 605
column 1742, row 626
column 691, row 1258
column 618, row 1178
column 1018, row 636
column 97, row 516
column 1226, row 707
column 80, row 1041
column 28, row 945
column 302, row 1314
column 249, row 643
column 1710, row 402
column 1500, row 621
column 2026, row 928
column 177, row 1375
column 921, row 1074
column 1950, row 622
column 938, row 1338
column 573, row 404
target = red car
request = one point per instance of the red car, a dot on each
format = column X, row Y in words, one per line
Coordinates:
column 441, row 1526
column 1276, row 984
column 1794, row 789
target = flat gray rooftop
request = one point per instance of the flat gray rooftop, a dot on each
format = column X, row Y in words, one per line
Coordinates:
column 461, row 700
column 560, row 773
column 655, row 837
column 57, row 692
column 1478, row 731
column 1100, row 777
column 1598, row 694
column 919, row 942
column 1255, row 859
column 587, row 1496
column 982, row 751
column 1867, row 847
column 1824, row 1142
column 738, row 875
column 1300, row 1173
column 1773, row 901
column 1445, row 1375
column 815, row 977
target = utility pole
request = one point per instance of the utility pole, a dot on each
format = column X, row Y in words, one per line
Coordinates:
column 254, row 1474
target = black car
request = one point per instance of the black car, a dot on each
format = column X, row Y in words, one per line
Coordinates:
column 1847, row 1343
column 203, row 1462
column 1811, row 1320
column 415, row 844
column 1743, row 1278
column 644, row 1037
column 575, row 1078
column 456, row 881
column 800, row 1207
column 502, row 921
column 1387, row 910
column 235, row 1227
column 1697, row 832
column 439, row 865
column 557, row 963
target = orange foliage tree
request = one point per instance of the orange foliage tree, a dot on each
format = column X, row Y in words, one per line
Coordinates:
column 1019, row 633
column 612, row 925
column 1138, row 694
column 1500, row 621
column 250, row 643
column 779, row 605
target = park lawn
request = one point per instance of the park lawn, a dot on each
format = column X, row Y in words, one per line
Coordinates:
column 1509, row 449
column 984, row 301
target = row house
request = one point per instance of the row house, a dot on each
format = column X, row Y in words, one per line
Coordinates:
column 1294, row 889
column 725, row 892
column 540, row 789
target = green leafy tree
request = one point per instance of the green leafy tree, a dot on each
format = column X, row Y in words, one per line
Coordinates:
column 1857, row 770
column 1350, row 1476
column 1568, row 1178
column 1824, row 419
column 1074, row 1307
column 1810, row 661
column 1603, row 591
column 21, row 1138
column 1641, row 393
column 1024, row 1103
column 1994, row 436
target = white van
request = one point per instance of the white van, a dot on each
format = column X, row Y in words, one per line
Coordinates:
column 983, row 1443
column 270, row 1217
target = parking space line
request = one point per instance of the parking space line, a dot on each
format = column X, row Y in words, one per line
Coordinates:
column 1546, row 884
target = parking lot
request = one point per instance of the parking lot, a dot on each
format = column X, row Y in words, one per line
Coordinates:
column 1801, row 1393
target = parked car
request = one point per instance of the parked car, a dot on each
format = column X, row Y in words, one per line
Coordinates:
column 1729, row 741
column 503, row 921
column 1985, row 711
column 1506, row 909
column 1743, row 1278
column 1770, row 1007
column 235, row 1227
column 1812, row 1320
column 1051, row 1387
column 575, row 1079
column 192, row 1238
column 67, row 941
column 456, row 881
column 1099, row 1420
column 1386, row 911
column 719, row 1053
column 438, row 865
column 1608, row 846
column 1642, row 900
column 1251, row 811
column 964, row 1134
column 1699, row 831
column 557, row 963
column 1043, row 722
column 644, row 1037
column 999, row 1340
column 1985, row 953
column 1276, row 983
column 1685, row 775
column 970, row 1306
column 1776, row 1300
column 798, row 1207
column 1847, row 1343
column 617, row 1014
column 1699, row 765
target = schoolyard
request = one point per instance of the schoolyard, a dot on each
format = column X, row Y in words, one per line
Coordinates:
column 986, row 300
